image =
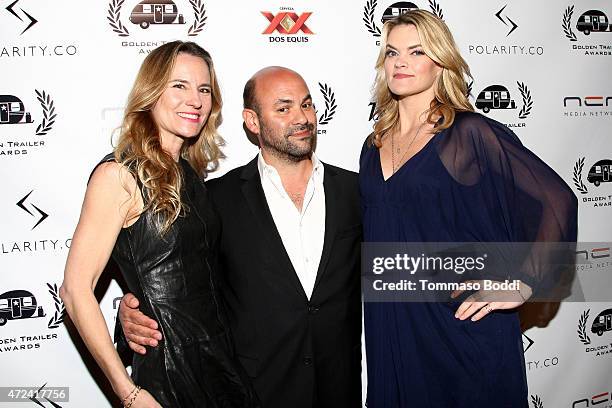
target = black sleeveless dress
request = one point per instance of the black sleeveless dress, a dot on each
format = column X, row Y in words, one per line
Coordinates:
column 173, row 277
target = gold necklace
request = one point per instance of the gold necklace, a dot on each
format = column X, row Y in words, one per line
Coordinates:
column 399, row 149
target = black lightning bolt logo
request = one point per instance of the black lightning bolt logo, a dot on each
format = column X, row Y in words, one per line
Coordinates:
column 43, row 215
column 498, row 15
column 37, row 402
column 33, row 21
column 527, row 343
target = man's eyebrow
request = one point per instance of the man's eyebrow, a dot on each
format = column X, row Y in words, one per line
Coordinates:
column 306, row 98
column 283, row 101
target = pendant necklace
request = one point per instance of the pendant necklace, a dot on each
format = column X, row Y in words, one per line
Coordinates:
column 393, row 152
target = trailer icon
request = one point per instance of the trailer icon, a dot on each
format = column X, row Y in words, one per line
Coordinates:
column 602, row 323
column 593, row 21
column 397, row 9
column 600, row 172
column 155, row 12
column 12, row 111
column 494, row 97
column 18, row 304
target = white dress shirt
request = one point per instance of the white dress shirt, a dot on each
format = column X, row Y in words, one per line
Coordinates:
column 302, row 232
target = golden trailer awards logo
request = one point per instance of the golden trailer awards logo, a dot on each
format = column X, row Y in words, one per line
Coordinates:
column 22, row 305
column 498, row 98
column 595, row 32
column 600, row 326
column 13, row 113
column 151, row 15
column 599, row 174
column 392, row 11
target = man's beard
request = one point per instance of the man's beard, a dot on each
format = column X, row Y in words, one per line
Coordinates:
column 283, row 148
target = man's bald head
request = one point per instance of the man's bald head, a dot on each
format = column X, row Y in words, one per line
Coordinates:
column 260, row 79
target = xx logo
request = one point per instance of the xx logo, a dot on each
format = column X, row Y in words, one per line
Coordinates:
column 287, row 22
column 43, row 215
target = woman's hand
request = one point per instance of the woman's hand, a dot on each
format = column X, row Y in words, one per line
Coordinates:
column 483, row 302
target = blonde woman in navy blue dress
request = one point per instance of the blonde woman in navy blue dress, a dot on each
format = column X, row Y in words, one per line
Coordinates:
column 435, row 171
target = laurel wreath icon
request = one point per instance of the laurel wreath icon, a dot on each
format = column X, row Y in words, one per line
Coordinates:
column 567, row 27
column 200, row 17
column 469, row 88
column 582, row 334
column 60, row 309
column 436, row 9
column 49, row 114
column 330, row 104
column 578, row 176
column 368, row 18
column 527, row 101
column 536, row 401
column 114, row 10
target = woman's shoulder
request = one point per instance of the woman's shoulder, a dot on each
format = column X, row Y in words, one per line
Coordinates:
column 470, row 119
column 368, row 145
column 110, row 173
column 476, row 126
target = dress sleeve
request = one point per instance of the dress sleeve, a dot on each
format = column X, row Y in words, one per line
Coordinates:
column 532, row 205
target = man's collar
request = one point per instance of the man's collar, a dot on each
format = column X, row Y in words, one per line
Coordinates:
column 265, row 168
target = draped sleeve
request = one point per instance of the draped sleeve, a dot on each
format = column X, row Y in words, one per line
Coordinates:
column 531, row 203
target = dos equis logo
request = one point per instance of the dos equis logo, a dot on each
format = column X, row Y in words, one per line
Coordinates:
column 594, row 36
column 19, row 137
column 287, row 26
column 155, row 17
column 498, row 98
column 598, row 175
column 392, row 11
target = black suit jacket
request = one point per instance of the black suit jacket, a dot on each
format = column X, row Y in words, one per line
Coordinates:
column 298, row 353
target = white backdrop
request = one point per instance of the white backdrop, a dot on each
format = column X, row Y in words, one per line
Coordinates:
column 66, row 69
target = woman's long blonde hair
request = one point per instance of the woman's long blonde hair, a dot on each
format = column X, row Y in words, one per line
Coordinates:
column 139, row 145
column 450, row 89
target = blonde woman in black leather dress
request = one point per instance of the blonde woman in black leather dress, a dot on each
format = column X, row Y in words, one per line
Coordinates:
column 147, row 206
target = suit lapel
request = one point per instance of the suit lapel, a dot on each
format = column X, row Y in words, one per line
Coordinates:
column 256, row 201
column 332, row 208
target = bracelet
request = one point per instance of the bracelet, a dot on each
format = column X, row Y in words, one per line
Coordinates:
column 135, row 391
column 128, row 396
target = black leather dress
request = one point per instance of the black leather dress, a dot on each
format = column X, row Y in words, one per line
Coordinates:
column 172, row 276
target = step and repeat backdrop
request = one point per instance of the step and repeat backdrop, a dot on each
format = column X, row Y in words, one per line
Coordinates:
column 541, row 68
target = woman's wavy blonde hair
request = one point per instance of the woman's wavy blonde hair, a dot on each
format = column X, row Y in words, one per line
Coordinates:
column 139, row 145
column 450, row 88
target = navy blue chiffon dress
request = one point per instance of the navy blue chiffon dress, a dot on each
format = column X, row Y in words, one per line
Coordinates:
column 474, row 181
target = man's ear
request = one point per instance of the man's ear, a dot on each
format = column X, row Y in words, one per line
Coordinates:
column 251, row 120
